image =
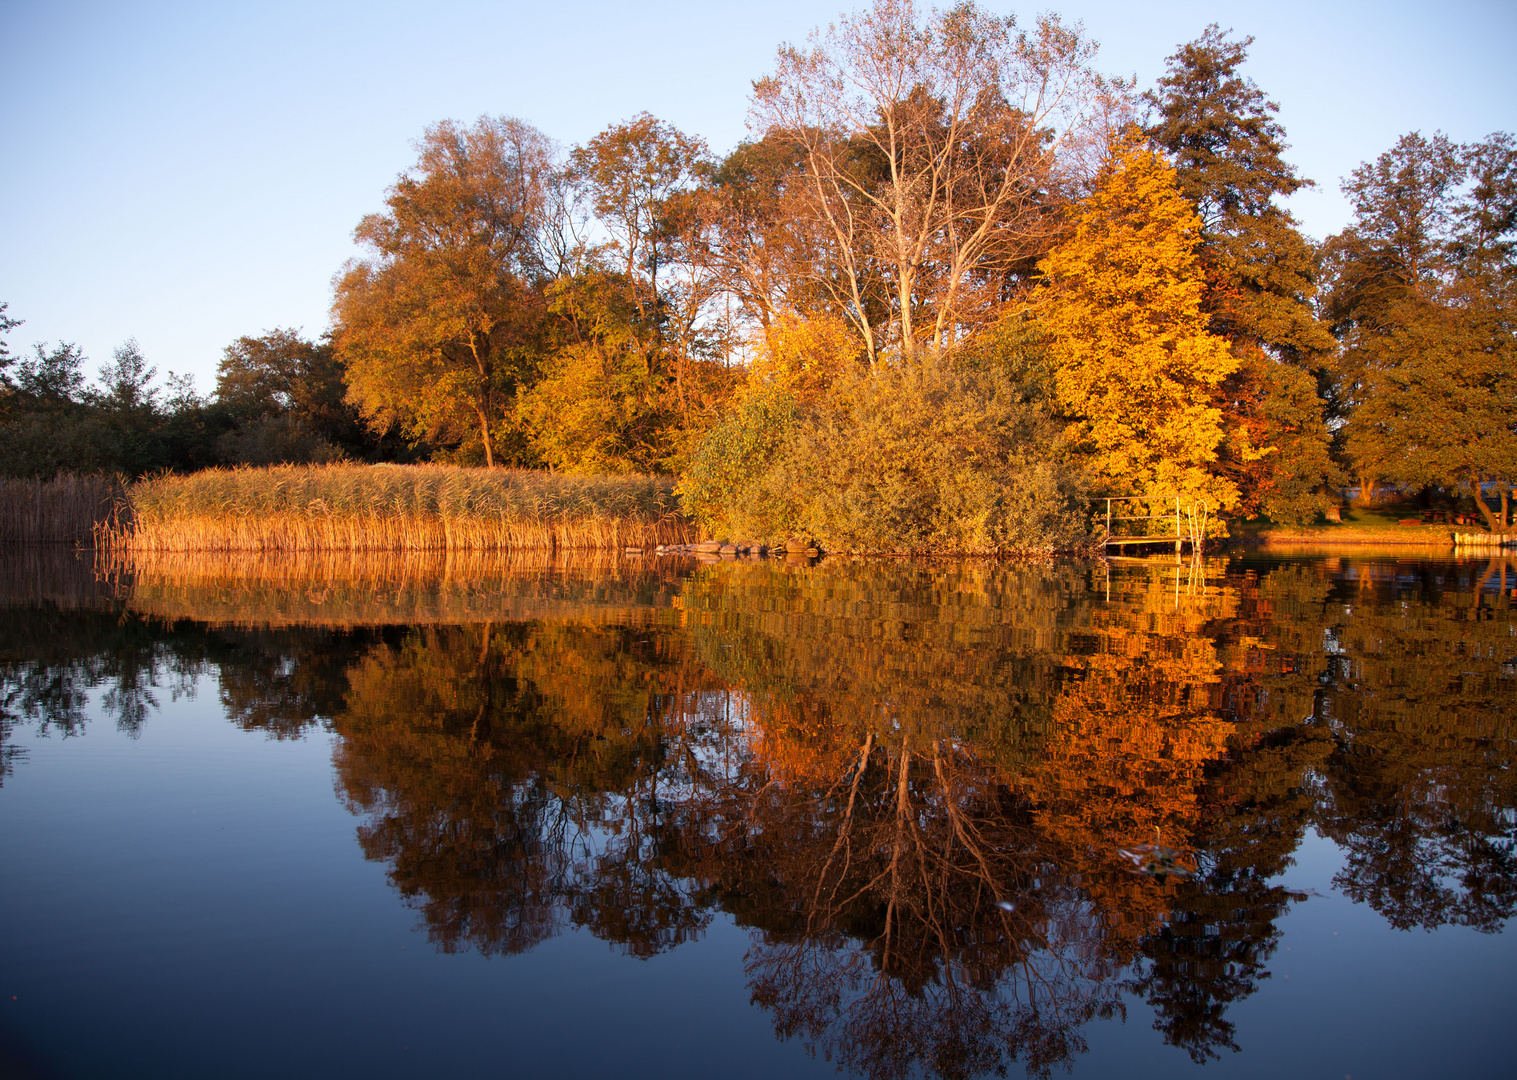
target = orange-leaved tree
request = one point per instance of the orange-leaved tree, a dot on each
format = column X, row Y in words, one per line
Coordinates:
column 440, row 326
column 1134, row 364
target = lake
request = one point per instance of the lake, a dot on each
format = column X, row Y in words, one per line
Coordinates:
column 517, row 816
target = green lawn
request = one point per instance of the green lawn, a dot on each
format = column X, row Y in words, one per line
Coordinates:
column 1372, row 525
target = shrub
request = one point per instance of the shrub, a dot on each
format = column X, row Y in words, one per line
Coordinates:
column 45, row 444
column 921, row 456
column 278, row 440
column 727, row 486
column 925, row 456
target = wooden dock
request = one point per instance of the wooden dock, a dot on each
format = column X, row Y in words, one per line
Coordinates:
column 1189, row 522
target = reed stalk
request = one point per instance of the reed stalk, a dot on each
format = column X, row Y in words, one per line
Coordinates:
column 68, row 509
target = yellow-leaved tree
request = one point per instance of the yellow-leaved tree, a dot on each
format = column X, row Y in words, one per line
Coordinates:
column 1134, row 365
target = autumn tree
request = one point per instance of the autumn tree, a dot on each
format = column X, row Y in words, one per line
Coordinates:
column 53, row 378
column 126, row 382
column 52, row 419
column 1423, row 301
column 440, row 325
column 929, row 155
column 760, row 244
column 1220, row 132
column 630, row 349
column 602, row 402
column 257, row 375
column 1135, row 367
column 127, row 406
column 50, row 424
column 634, row 175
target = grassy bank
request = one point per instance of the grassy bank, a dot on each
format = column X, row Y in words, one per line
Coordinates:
column 395, row 508
column 1360, row 525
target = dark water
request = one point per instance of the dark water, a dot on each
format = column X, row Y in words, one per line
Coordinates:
column 1249, row 818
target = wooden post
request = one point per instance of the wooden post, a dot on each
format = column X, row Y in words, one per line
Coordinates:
column 1177, row 526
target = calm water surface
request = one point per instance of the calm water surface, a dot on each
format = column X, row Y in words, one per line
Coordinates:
column 1252, row 817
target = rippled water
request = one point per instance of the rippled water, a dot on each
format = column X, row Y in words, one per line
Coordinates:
column 1251, row 817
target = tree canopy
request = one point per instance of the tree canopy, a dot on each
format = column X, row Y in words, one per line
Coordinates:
column 438, row 327
column 922, row 188
column 929, row 152
column 1423, row 300
column 1135, row 365
column 1220, row 132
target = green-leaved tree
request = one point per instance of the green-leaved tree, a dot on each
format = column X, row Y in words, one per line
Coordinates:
column 1228, row 149
column 1423, row 298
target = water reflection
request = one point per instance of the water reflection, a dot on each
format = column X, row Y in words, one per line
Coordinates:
column 916, row 784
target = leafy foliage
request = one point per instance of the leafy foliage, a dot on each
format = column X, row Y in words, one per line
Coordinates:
column 928, row 144
column 931, row 195
column 603, row 401
column 1135, row 366
column 441, row 325
column 1260, row 275
column 727, row 486
column 1423, row 299
column 925, row 455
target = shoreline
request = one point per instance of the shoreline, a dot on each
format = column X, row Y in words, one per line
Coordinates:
column 1354, row 537
column 1440, row 537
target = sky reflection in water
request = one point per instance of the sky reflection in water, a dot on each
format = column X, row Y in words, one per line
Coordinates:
column 614, row 819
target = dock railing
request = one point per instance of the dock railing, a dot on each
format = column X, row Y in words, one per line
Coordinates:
column 1186, row 525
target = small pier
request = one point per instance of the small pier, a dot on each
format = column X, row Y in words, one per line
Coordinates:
column 1170, row 519
column 1482, row 541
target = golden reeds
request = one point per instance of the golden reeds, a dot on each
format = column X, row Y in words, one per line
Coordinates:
column 68, row 509
column 396, row 508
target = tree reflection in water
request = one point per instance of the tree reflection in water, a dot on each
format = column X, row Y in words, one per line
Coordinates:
column 912, row 783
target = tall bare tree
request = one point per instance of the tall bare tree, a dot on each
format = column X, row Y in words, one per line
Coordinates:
column 929, row 148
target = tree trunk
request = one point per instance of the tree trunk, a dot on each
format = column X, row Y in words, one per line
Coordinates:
column 482, row 365
column 1485, row 511
column 1506, row 517
column 484, row 431
column 908, row 324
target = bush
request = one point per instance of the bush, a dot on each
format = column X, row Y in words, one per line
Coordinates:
column 278, row 440
column 44, row 444
column 923, row 456
column 727, row 487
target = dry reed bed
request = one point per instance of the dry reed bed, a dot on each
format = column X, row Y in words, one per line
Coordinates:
column 68, row 509
column 364, row 568
column 397, row 508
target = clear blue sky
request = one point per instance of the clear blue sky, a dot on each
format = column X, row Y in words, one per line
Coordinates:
column 186, row 173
